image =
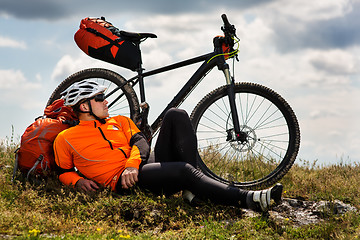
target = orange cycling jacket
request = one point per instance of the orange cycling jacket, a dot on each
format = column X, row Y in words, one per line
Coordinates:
column 100, row 152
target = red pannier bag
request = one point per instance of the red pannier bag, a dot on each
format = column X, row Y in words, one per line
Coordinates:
column 101, row 40
column 35, row 156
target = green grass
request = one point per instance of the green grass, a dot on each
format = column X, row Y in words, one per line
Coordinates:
column 51, row 211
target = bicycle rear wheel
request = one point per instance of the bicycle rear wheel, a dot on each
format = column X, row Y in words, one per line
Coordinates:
column 123, row 102
column 270, row 143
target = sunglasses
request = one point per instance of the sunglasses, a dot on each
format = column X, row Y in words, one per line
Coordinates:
column 99, row 98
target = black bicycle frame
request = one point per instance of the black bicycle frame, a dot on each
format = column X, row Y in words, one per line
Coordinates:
column 189, row 85
column 209, row 62
column 185, row 90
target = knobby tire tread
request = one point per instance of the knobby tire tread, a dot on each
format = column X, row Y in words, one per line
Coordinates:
column 103, row 74
column 291, row 119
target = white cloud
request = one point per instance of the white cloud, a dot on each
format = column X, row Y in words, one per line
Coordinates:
column 329, row 124
column 334, row 61
column 38, row 77
column 311, row 10
column 11, row 43
column 16, row 90
column 15, row 80
column 66, row 65
column 69, row 64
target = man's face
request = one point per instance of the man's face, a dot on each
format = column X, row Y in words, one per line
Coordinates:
column 99, row 107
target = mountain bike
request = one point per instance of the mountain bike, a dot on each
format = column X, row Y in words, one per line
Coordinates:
column 248, row 135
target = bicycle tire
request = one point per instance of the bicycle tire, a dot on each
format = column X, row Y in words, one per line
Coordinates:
column 271, row 143
column 128, row 105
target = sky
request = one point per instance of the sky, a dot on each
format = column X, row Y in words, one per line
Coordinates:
column 307, row 51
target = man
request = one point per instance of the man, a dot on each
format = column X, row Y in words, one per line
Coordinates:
column 114, row 153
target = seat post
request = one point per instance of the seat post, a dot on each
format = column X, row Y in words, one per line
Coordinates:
column 141, row 85
column 140, row 76
column 143, row 123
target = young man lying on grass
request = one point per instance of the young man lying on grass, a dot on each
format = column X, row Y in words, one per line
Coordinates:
column 114, row 153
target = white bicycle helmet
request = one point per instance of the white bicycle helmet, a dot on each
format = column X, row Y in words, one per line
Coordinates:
column 81, row 90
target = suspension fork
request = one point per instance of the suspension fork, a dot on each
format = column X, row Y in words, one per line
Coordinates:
column 224, row 67
column 231, row 94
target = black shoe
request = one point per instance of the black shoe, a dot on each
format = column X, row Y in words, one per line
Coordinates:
column 261, row 200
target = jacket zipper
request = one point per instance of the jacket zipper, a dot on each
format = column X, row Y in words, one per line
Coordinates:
column 102, row 133
column 111, row 146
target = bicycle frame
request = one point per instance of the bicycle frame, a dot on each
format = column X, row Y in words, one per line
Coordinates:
column 210, row 60
column 194, row 80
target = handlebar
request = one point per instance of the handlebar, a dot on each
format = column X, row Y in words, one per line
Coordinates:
column 226, row 21
column 224, row 45
column 229, row 30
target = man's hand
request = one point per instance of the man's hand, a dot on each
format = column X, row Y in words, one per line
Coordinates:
column 129, row 177
column 86, row 185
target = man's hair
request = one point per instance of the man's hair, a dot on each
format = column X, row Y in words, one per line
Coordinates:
column 76, row 107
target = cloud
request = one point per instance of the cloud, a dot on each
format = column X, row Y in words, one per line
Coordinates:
column 70, row 64
column 328, row 124
column 311, row 11
column 336, row 61
column 319, row 24
column 15, row 89
column 12, row 79
column 323, row 114
column 34, row 9
column 11, row 43
column 54, row 10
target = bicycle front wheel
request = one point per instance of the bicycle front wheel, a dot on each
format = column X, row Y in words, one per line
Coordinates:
column 270, row 141
column 123, row 101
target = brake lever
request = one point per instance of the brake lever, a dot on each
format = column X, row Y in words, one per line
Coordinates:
column 229, row 30
column 227, row 26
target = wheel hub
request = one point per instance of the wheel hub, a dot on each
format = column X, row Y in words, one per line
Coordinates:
column 243, row 141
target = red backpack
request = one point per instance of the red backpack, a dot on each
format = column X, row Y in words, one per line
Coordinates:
column 101, row 40
column 35, row 154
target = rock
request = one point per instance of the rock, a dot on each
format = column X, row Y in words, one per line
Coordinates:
column 300, row 212
column 337, row 207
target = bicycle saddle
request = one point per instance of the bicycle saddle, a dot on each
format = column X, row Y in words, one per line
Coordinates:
column 132, row 36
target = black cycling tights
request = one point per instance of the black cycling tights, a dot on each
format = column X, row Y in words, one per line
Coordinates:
column 173, row 168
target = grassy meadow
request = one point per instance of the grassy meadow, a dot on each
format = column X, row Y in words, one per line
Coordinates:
column 51, row 211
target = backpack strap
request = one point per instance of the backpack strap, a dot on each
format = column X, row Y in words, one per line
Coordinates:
column 99, row 34
column 38, row 160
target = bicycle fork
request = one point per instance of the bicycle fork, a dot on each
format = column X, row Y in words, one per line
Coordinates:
column 239, row 135
column 233, row 134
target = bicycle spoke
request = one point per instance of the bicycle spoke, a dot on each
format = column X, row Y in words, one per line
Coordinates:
column 271, row 150
column 211, row 128
column 275, row 146
column 263, row 122
column 118, row 103
column 254, row 112
column 250, row 110
column 263, row 115
column 212, row 121
column 253, row 156
column 275, row 126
